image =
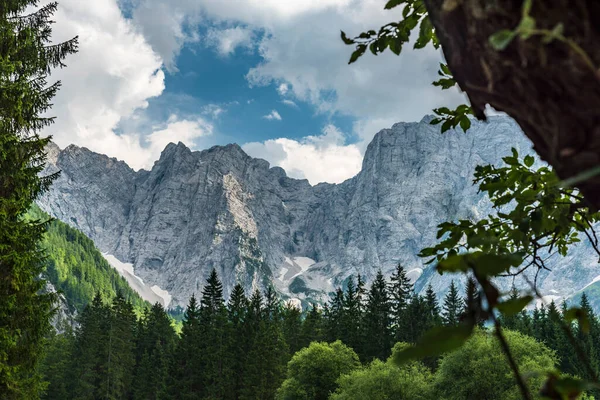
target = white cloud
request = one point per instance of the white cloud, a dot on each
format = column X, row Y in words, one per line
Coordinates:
column 273, row 115
column 140, row 151
column 167, row 26
column 112, row 76
column 305, row 59
column 323, row 158
column 213, row 110
column 226, row 41
column 290, row 103
column 282, row 89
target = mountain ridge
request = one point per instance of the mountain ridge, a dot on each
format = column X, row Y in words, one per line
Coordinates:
column 219, row 207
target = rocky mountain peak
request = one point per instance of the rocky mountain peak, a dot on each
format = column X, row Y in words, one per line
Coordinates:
column 219, row 208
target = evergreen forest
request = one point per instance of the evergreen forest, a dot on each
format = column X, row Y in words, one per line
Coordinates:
column 256, row 346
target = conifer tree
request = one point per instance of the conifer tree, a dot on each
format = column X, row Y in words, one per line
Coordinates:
column 267, row 355
column 155, row 342
column 400, row 292
column 292, row 326
column 452, row 307
column 214, row 349
column 57, row 366
column 512, row 322
column 377, row 327
column 588, row 339
column 25, row 308
column 472, row 306
column 416, row 319
column 238, row 345
column 352, row 316
column 312, row 327
column 121, row 344
column 432, row 307
column 334, row 316
column 90, row 352
column 186, row 378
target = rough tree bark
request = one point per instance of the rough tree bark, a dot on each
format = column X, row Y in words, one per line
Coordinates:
column 549, row 89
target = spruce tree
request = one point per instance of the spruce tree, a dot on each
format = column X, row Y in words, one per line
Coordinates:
column 238, row 345
column 312, row 327
column 416, row 319
column 472, row 307
column 265, row 361
column 214, row 345
column 588, row 339
column 377, row 327
column 400, row 292
column 27, row 57
column 352, row 316
column 452, row 307
column 292, row 326
column 155, row 342
column 121, row 344
column 334, row 316
column 432, row 307
column 90, row 354
column 185, row 366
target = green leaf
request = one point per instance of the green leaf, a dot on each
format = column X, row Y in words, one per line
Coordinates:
column 514, row 306
column 360, row 50
column 447, row 125
column 455, row 263
column 465, row 123
column 529, row 160
column 437, row 341
column 393, row 3
column 565, row 387
column 345, row 38
column 526, row 27
column 501, row 39
column 425, row 33
column 494, row 264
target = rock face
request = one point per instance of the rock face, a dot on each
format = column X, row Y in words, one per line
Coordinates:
column 220, row 208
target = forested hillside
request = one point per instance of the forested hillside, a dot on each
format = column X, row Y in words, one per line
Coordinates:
column 76, row 268
column 258, row 347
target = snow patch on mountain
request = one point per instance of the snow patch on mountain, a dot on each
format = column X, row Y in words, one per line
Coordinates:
column 151, row 294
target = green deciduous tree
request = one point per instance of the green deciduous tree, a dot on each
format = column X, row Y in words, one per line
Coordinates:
column 385, row 380
column 478, row 370
column 313, row 371
column 26, row 59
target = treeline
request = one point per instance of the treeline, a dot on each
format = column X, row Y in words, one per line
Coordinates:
column 240, row 349
column 232, row 350
column 76, row 267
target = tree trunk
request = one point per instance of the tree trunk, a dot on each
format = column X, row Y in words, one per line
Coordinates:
column 548, row 88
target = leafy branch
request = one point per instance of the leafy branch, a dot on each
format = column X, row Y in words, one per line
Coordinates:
column 528, row 27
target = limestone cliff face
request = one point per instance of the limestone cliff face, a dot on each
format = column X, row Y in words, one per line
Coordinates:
column 221, row 208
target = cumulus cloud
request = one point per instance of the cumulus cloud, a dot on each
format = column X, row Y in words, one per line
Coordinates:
column 273, row 115
column 226, row 41
column 322, row 158
column 305, row 60
column 112, row 76
column 141, row 150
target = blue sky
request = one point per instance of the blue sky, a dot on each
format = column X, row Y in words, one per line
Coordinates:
column 270, row 75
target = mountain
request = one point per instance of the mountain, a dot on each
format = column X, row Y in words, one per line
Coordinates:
column 195, row 210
